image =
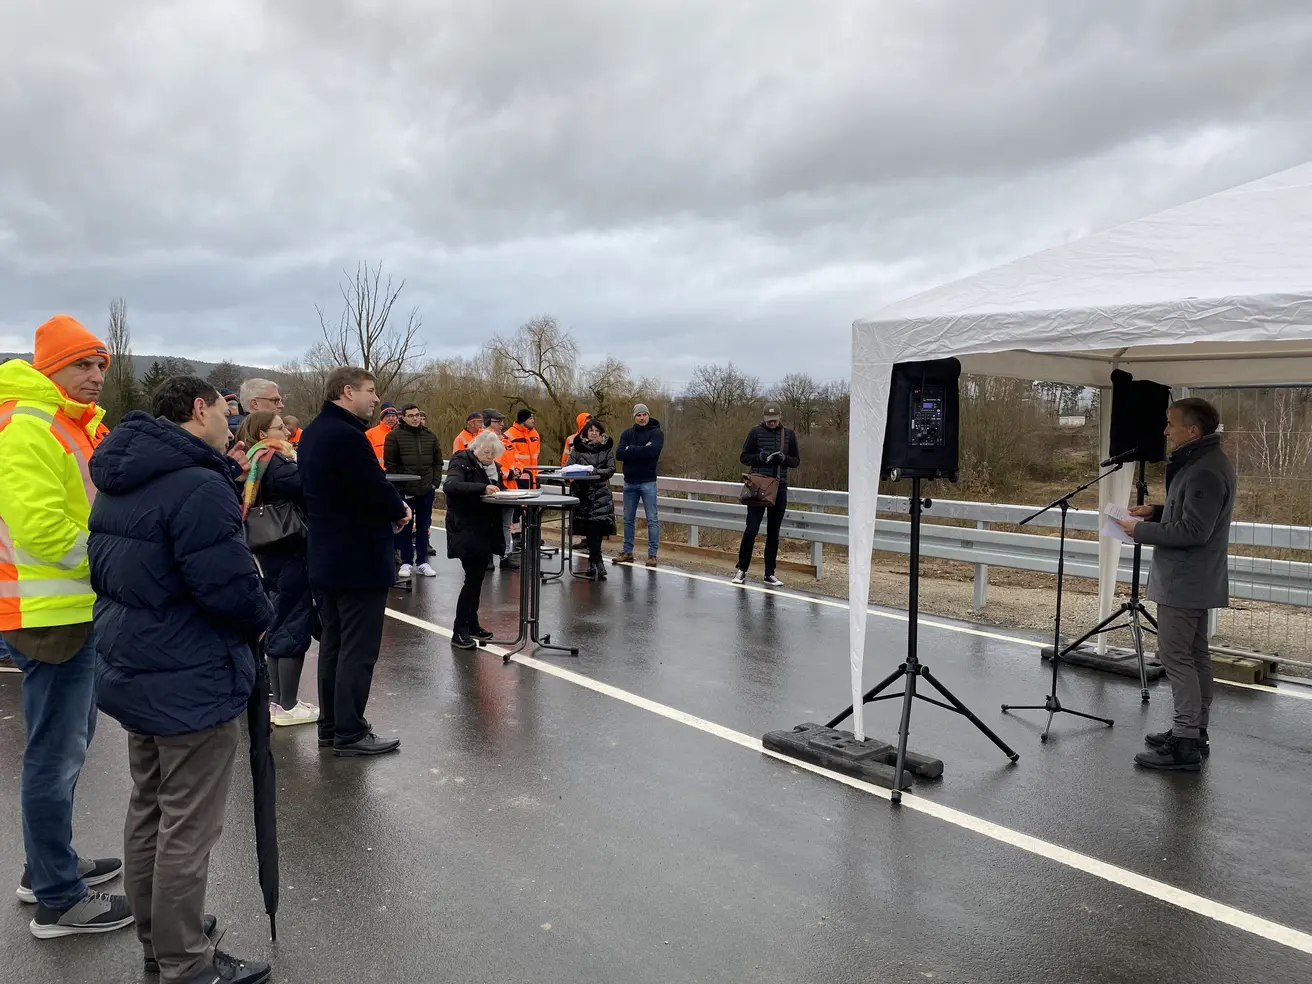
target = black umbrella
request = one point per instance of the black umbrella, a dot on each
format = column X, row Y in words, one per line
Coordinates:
column 266, row 790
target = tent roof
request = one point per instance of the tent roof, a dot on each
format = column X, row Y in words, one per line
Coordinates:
column 1214, row 292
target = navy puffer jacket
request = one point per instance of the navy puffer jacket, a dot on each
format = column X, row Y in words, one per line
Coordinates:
column 179, row 602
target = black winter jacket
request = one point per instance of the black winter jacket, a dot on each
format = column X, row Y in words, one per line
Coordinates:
column 761, row 442
column 414, row 451
column 596, row 504
column 349, row 504
column 640, row 450
column 179, row 604
column 473, row 527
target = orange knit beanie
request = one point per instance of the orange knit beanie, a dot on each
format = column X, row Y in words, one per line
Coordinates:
column 63, row 340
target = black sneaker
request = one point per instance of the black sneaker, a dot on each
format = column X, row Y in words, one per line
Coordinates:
column 370, row 744
column 510, row 563
column 463, row 640
column 150, row 966
column 95, row 872
column 1173, row 755
column 97, row 912
column 1158, row 739
column 481, row 633
column 230, row 970
column 7, row 665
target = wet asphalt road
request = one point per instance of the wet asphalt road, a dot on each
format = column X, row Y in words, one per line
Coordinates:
column 532, row 830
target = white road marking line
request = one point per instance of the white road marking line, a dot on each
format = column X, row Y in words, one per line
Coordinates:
column 1151, row 887
column 931, row 623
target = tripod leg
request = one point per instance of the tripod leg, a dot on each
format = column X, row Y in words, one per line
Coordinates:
column 1136, row 630
column 904, row 729
column 1102, row 626
column 969, row 715
column 880, row 686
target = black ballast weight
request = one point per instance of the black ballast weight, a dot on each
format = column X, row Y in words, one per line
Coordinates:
column 871, row 760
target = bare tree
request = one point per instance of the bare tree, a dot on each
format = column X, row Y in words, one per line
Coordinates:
column 834, row 403
column 715, row 391
column 1279, row 437
column 607, row 387
column 544, row 356
column 121, row 392
column 226, row 376
column 800, row 396
column 366, row 334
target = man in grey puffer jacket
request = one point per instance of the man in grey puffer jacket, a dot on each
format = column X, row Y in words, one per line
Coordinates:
column 1189, row 536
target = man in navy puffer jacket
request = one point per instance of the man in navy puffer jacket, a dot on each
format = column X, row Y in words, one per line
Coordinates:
column 179, row 609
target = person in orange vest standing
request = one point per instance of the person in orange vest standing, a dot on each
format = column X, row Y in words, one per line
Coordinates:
column 473, row 425
column 579, row 421
column 378, row 434
column 49, row 427
column 527, row 443
column 495, row 421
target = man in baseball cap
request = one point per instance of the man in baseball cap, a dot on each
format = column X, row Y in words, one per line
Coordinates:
column 473, row 424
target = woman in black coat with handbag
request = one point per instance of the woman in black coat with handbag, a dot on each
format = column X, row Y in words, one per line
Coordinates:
column 594, row 516
column 473, row 528
column 285, row 568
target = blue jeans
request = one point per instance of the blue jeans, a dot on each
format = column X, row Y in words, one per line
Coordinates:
column 59, row 702
column 646, row 491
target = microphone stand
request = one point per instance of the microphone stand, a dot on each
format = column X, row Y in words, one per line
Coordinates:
column 1051, row 702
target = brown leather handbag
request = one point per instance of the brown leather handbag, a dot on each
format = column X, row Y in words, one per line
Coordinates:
column 762, row 491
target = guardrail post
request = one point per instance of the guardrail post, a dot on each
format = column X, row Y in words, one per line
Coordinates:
column 692, row 530
column 817, row 548
column 981, row 595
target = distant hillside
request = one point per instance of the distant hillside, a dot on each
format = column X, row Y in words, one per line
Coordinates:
column 141, row 365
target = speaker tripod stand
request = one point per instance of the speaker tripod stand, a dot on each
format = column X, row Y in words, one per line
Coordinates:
column 1133, row 610
column 912, row 669
column 1051, row 702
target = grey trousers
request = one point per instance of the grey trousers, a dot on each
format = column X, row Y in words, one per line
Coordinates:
column 175, row 816
column 1182, row 651
column 508, row 520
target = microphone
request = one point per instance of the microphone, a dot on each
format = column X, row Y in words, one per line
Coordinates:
column 1122, row 458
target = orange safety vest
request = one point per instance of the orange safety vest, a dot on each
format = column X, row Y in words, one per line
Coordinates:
column 45, row 501
column 378, row 437
column 295, row 439
column 462, row 441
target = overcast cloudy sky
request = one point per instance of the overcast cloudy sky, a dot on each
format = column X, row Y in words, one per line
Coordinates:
column 677, row 182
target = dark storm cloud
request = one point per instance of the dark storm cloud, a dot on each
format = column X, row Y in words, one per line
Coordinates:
column 678, row 182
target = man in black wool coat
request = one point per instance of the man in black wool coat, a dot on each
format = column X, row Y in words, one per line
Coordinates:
column 352, row 513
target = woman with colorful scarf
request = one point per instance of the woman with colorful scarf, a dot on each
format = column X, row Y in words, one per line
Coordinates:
column 274, row 478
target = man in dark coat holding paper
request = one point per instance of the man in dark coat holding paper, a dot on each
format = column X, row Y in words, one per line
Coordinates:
column 352, row 513
column 1190, row 575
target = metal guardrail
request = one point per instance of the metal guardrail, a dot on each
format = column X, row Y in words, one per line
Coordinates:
column 1287, row 582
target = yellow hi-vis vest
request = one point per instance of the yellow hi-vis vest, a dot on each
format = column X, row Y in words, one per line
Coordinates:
column 46, row 441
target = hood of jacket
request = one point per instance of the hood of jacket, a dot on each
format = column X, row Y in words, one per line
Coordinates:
column 19, row 381
column 651, row 425
column 142, row 448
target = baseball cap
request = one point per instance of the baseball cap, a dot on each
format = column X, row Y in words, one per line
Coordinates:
column 772, row 412
column 475, row 415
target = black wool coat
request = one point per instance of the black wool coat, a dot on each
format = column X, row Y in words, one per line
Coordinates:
column 473, row 527
column 350, row 505
column 596, row 508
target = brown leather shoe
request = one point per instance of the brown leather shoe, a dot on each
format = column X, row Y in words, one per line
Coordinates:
column 624, row 559
column 651, row 561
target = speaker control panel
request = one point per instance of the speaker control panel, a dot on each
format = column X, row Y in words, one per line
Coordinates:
column 927, row 430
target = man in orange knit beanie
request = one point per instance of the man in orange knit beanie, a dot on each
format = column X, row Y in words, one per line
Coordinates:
column 49, row 426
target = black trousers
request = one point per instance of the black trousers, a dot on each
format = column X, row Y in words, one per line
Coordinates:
column 776, row 519
column 470, row 592
column 593, row 536
column 348, row 649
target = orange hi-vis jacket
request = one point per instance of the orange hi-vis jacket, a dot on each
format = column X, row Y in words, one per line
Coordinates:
column 528, row 448
column 378, row 437
column 46, row 442
column 509, row 459
column 579, row 421
column 462, row 441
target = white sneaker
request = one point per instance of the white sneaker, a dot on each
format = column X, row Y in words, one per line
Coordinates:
column 427, row 570
column 773, row 581
column 739, row 577
column 405, row 571
column 302, row 713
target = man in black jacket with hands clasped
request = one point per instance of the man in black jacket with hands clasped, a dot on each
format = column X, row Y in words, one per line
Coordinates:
column 352, row 512
column 771, row 450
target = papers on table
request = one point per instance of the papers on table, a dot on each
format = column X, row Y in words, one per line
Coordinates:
column 576, row 471
column 1109, row 527
column 518, row 494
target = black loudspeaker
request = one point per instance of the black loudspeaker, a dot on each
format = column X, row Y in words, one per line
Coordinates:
column 924, row 412
column 1139, row 417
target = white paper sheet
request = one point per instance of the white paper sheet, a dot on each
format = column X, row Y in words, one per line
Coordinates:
column 1109, row 527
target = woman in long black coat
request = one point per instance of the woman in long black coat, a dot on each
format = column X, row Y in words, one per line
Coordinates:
column 473, row 528
column 594, row 516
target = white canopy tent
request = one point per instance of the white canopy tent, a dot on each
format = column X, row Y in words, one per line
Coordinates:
column 1214, row 292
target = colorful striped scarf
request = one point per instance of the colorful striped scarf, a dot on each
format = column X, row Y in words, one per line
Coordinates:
column 260, row 455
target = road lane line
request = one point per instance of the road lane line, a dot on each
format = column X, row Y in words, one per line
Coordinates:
column 1151, row 887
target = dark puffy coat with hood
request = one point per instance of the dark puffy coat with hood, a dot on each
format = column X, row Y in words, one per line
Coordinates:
column 596, row 506
column 473, row 527
column 179, row 605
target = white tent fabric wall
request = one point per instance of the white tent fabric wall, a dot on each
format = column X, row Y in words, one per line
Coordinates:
column 1215, row 292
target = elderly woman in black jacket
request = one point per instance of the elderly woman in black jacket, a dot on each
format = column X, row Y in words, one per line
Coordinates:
column 473, row 527
column 594, row 516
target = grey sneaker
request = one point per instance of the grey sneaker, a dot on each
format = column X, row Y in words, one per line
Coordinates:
column 229, row 970
column 97, row 912
column 7, row 665
column 739, row 577
column 95, row 872
column 773, row 581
